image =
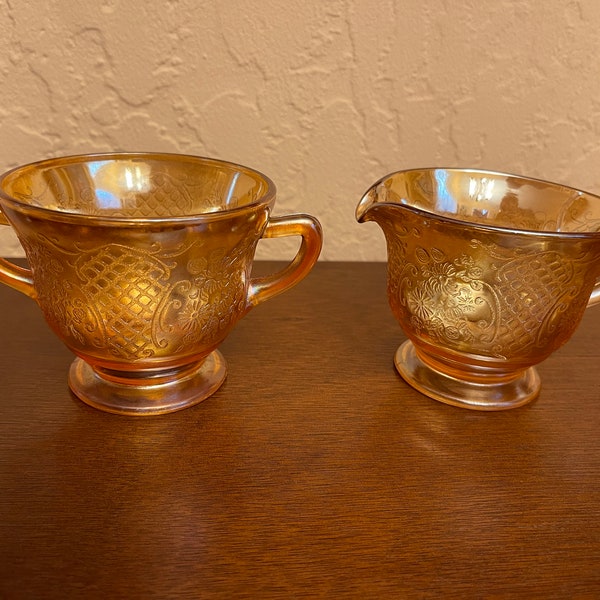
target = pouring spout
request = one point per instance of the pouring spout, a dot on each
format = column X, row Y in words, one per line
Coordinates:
column 367, row 202
column 375, row 197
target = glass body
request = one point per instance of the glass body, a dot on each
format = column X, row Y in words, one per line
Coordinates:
column 488, row 274
column 141, row 264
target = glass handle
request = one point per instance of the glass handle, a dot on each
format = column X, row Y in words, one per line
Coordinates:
column 595, row 297
column 263, row 288
column 12, row 275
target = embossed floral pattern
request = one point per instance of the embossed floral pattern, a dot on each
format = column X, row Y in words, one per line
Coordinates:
column 446, row 299
column 131, row 301
column 494, row 300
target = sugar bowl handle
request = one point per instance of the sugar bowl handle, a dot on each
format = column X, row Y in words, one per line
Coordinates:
column 263, row 288
column 12, row 275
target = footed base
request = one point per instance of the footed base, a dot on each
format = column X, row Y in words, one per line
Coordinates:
column 126, row 394
column 496, row 395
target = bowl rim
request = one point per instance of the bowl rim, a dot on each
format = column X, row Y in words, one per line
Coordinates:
column 482, row 226
column 266, row 199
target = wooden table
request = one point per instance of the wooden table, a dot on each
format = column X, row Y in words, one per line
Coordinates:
column 315, row 471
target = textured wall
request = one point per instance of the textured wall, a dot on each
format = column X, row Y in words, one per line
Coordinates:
column 323, row 96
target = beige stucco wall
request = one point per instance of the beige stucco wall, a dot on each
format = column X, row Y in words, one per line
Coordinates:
column 323, row 96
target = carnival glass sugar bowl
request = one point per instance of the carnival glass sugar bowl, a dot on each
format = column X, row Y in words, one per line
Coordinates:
column 141, row 264
column 488, row 274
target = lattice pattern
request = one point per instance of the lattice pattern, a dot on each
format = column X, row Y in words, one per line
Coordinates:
column 525, row 305
column 126, row 286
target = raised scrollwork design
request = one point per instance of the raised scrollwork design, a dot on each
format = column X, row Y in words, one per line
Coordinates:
column 133, row 302
column 446, row 299
column 497, row 300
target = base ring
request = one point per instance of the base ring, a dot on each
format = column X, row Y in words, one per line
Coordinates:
column 165, row 396
column 503, row 395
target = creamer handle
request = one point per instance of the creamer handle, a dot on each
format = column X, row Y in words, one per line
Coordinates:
column 263, row 288
column 595, row 297
column 16, row 277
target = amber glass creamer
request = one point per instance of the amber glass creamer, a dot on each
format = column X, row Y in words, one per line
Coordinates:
column 488, row 274
column 141, row 264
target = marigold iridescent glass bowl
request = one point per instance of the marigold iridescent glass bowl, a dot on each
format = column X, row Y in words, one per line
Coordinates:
column 488, row 274
column 141, row 264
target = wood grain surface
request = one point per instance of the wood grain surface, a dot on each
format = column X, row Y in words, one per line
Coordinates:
column 315, row 471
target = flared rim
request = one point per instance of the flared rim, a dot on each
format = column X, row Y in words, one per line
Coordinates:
column 265, row 198
column 366, row 202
